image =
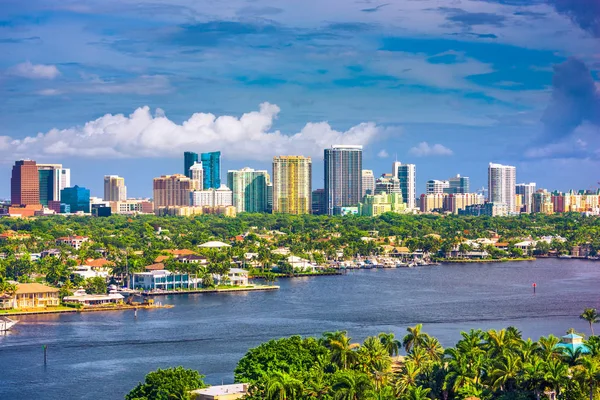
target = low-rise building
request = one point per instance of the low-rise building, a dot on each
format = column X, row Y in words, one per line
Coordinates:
column 73, row 241
column 162, row 280
column 236, row 277
column 81, row 297
column 35, row 295
column 86, row 272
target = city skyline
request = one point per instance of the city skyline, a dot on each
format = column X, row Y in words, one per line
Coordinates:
column 444, row 86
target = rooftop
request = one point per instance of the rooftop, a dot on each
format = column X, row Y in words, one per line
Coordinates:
column 27, row 288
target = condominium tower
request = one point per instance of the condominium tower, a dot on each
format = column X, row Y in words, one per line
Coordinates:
column 25, row 184
column 114, row 188
column 343, row 177
column 368, row 182
column 502, row 185
column 526, row 190
column 189, row 159
column 171, row 190
column 196, row 174
column 211, row 162
column 292, row 178
column 407, row 174
column 249, row 189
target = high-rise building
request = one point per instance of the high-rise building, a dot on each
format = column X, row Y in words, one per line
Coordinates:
column 543, row 202
column 25, row 184
column 388, row 184
column 196, row 174
column 458, row 184
column 377, row 204
column 249, row 189
column 292, row 178
column 77, row 198
column 211, row 162
column 526, row 190
column 171, row 190
column 368, row 182
column 189, row 159
column 343, row 177
column 114, row 188
column 223, row 196
column 407, row 174
column 502, row 185
column 435, row 186
column 53, row 178
column 270, row 197
column 319, row 206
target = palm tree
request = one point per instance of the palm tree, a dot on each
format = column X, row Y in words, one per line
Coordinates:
column 533, row 376
column 556, row 374
column 407, row 377
column 416, row 393
column 316, row 385
column 589, row 373
column 433, row 348
column 282, row 386
column 505, row 374
column 591, row 316
column 342, row 351
column 549, row 348
column 391, row 344
column 414, row 338
column 351, row 385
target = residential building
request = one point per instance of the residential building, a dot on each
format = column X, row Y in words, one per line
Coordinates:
column 90, row 300
column 34, row 295
column 78, row 199
column 25, row 184
column 387, row 183
column 226, row 211
column 171, row 190
column 458, row 185
column 435, row 186
column 162, row 280
column 377, row 204
column 459, row 201
column 292, row 179
column 489, row 209
column 432, row 202
column 526, row 190
column 502, row 185
column 235, row 277
column 368, row 182
column 211, row 162
column 343, row 177
column 132, row 206
column 114, row 188
column 52, row 179
column 270, row 197
column 189, row 158
column 319, row 207
column 223, row 196
column 73, row 241
column 407, row 174
column 179, row 211
column 249, row 189
column 196, row 174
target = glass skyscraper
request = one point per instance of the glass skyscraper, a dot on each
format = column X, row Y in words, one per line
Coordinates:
column 249, row 189
column 189, row 159
column 343, row 177
column 78, row 198
column 211, row 162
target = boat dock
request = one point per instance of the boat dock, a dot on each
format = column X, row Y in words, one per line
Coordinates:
column 219, row 290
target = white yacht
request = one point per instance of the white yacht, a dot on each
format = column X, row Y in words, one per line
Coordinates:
column 6, row 324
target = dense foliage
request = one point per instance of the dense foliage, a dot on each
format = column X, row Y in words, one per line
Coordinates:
column 482, row 365
column 167, row 384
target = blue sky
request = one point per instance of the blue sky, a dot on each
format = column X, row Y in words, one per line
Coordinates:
column 124, row 87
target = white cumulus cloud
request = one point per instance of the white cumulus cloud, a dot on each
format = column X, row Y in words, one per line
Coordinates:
column 35, row 71
column 383, row 154
column 144, row 134
column 425, row 149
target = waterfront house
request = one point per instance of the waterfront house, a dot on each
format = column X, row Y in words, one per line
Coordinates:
column 73, row 241
column 163, row 280
column 81, row 297
column 35, row 295
column 6, row 301
column 85, row 271
column 236, row 277
column 222, row 392
column 50, row 253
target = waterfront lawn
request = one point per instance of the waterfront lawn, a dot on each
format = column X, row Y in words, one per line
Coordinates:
column 35, row 310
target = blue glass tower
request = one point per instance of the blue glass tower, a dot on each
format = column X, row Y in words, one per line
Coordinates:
column 189, row 158
column 211, row 162
column 77, row 198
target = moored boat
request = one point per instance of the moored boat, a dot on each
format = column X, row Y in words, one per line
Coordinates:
column 6, row 324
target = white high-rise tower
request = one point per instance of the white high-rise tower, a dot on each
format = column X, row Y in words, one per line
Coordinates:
column 502, row 181
column 407, row 174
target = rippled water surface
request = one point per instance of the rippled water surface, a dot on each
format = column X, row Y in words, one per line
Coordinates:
column 103, row 355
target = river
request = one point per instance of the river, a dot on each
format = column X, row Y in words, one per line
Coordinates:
column 104, row 355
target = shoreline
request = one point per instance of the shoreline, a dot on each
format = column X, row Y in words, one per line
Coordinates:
column 66, row 310
column 258, row 288
column 498, row 260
